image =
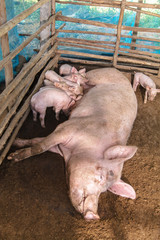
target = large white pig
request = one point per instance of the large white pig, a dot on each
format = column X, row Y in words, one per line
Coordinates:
column 93, row 141
column 50, row 97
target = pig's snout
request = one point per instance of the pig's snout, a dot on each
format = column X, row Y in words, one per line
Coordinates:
column 91, row 216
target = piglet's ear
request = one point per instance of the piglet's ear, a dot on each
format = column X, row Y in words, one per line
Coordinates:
column 83, row 70
column 74, row 70
column 122, row 189
column 120, row 153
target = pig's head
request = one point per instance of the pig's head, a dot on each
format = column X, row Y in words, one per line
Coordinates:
column 152, row 92
column 79, row 76
column 91, row 177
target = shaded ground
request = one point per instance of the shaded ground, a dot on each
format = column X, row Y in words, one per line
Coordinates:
column 34, row 203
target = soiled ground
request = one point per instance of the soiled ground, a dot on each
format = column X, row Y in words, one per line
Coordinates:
column 34, row 203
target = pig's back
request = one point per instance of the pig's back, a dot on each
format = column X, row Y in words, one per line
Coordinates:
column 114, row 105
column 49, row 94
column 106, row 75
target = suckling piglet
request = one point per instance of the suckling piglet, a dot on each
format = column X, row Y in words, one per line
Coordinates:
column 75, row 76
column 66, row 69
column 50, row 97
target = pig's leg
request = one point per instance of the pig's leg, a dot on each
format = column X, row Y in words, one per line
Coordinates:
column 34, row 115
column 66, row 112
column 72, row 102
column 57, row 112
column 42, row 117
column 60, row 136
column 48, row 82
column 19, row 142
column 135, row 83
column 146, row 95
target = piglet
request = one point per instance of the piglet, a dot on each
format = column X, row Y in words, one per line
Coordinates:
column 75, row 76
column 147, row 83
column 71, row 88
column 66, row 69
column 74, row 91
column 50, row 97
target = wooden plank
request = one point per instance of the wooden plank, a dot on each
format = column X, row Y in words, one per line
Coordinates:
column 119, row 26
column 136, row 61
column 139, row 52
column 111, row 34
column 89, row 55
column 87, row 46
column 108, row 25
column 82, row 61
column 112, row 3
column 5, row 44
column 13, row 136
column 145, row 70
column 134, row 55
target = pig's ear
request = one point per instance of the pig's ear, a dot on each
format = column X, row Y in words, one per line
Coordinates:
column 83, row 70
column 74, row 70
column 122, row 189
column 118, row 153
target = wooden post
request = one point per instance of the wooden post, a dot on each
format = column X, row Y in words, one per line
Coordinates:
column 119, row 32
column 137, row 19
column 53, row 10
column 5, row 44
column 45, row 13
column 159, row 73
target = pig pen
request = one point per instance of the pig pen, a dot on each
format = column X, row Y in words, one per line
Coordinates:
column 34, row 202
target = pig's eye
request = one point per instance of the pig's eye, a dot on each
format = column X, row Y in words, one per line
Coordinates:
column 111, row 173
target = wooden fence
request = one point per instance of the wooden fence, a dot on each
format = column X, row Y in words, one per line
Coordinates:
column 130, row 58
column 15, row 98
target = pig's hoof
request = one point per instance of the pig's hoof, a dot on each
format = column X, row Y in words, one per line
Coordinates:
column 16, row 156
column 91, row 216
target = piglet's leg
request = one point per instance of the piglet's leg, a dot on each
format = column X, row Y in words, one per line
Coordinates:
column 42, row 118
column 146, row 94
column 34, row 115
column 135, row 83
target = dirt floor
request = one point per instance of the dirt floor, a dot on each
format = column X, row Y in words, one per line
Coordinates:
column 34, row 202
